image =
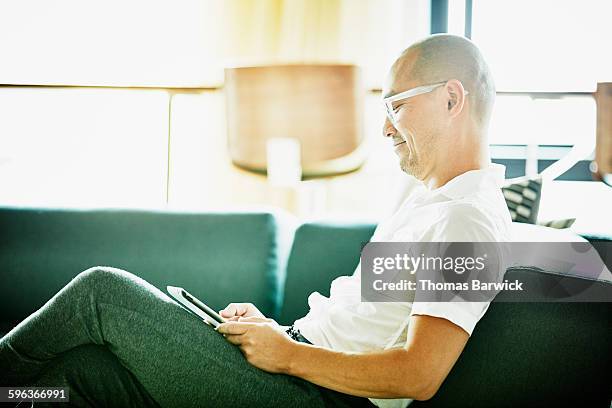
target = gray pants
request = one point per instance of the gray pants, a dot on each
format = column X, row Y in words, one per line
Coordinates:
column 116, row 340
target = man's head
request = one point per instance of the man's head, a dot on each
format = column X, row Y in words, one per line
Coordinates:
column 440, row 133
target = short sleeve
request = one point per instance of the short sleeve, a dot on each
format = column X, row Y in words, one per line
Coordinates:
column 463, row 314
column 461, row 223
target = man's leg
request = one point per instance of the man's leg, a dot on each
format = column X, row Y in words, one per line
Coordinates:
column 178, row 359
column 94, row 377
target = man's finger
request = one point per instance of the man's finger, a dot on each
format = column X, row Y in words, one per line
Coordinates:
column 229, row 311
column 234, row 309
column 234, row 328
column 254, row 319
column 235, row 339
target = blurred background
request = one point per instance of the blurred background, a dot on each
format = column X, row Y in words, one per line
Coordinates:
column 142, row 103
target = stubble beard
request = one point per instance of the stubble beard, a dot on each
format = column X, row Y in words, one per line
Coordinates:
column 413, row 165
column 410, row 166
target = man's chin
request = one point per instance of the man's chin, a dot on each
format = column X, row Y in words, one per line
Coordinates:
column 409, row 167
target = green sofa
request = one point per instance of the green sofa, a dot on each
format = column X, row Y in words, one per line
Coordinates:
column 521, row 354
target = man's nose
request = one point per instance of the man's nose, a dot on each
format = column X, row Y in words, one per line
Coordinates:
column 388, row 128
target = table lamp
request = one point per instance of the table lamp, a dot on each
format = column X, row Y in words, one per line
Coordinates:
column 318, row 106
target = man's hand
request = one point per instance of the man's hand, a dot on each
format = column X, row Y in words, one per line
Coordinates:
column 262, row 341
column 233, row 311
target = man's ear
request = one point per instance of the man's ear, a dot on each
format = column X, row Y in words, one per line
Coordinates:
column 455, row 94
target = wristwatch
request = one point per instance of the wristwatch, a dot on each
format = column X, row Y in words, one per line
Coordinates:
column 296, row 335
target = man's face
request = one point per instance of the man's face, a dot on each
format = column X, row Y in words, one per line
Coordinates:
column 416, row 133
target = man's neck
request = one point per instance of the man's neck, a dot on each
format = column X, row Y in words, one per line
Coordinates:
column 456, row 165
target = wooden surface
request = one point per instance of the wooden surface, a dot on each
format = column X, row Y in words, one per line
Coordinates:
column 603, row 152
column 319, row 105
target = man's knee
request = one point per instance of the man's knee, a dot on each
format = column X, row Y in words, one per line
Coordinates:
column 101, row 276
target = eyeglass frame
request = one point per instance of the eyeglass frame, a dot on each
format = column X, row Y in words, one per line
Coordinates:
column 419, row 90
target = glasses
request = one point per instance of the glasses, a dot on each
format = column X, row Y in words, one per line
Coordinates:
column 419, row 90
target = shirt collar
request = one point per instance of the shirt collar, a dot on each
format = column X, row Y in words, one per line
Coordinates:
column 473, row 181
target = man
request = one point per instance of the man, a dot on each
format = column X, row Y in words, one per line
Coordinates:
column 111, row 336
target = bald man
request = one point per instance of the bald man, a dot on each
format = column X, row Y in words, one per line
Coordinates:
column 438, row 143
column 115, row 339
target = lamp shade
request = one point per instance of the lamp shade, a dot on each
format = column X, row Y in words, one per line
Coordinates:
column 321, row 106
column 603, row 151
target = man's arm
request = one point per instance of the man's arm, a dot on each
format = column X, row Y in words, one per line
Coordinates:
column 415, row 371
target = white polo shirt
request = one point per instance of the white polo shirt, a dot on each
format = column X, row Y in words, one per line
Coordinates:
column 468, row 208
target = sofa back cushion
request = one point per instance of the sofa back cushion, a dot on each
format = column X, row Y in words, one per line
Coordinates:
column 320, row 253
column 219, row 257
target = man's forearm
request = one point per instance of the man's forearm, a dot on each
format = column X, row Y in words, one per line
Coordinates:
column 415, row 371
column 393, row 373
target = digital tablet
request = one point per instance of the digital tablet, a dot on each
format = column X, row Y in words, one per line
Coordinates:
column 195, row 306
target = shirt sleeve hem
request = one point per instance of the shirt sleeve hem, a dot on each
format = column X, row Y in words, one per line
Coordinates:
column 458, row 316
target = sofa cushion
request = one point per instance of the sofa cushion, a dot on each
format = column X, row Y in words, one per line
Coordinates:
column 523, row 198
column 219, row 257
column 522, row 232
column 320, row 252
column 534, row 354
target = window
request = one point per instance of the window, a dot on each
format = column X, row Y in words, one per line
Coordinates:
column 544, row 45
column 111, row 43
column 83, row 147
column 547, row 57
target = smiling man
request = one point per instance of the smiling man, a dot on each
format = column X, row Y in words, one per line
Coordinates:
column 438, row 98
column 112, row 337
